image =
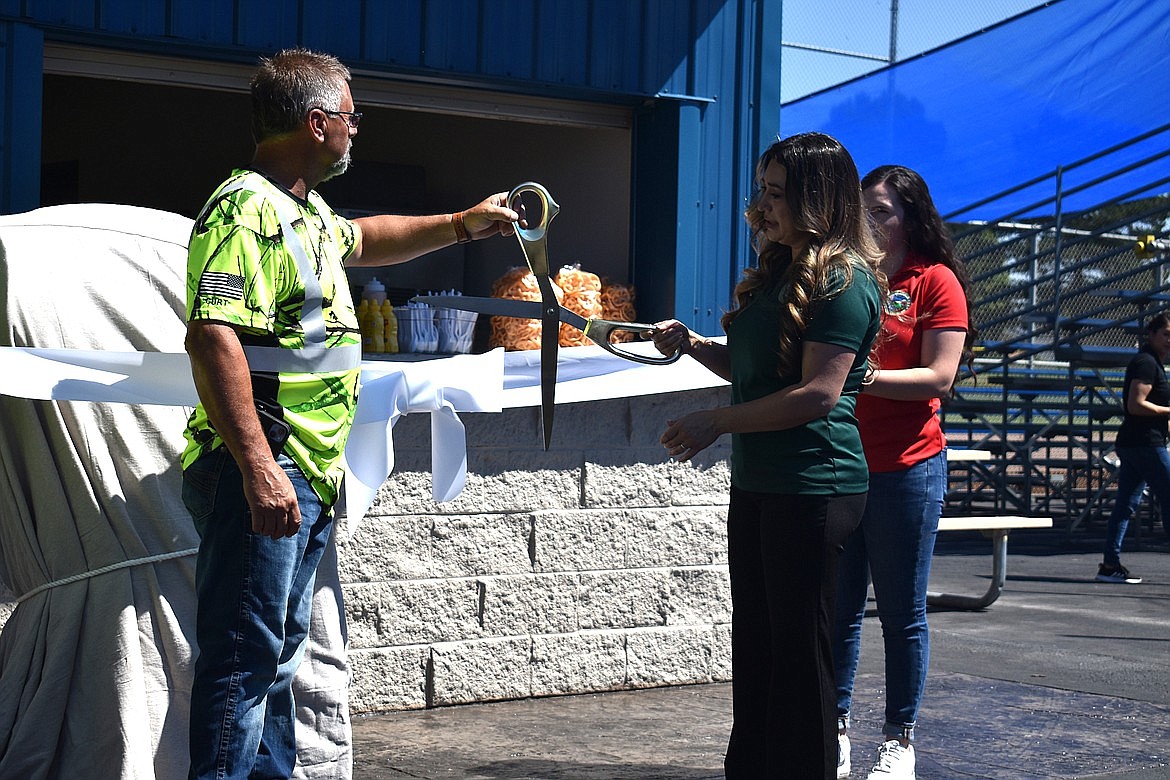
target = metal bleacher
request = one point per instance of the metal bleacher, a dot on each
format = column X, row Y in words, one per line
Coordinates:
column 1059, row 302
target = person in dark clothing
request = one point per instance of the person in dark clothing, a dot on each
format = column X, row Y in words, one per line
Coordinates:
column 797, row 355
column 1141, row 444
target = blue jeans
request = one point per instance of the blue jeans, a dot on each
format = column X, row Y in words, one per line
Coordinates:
column 1140, row 466
column 254, row 603
column 782, row 556
column 894, row 545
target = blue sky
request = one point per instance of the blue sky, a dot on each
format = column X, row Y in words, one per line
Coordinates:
column 863, row 26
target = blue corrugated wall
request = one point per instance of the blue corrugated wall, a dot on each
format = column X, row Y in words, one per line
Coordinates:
column 21, row 53
column 705, row 74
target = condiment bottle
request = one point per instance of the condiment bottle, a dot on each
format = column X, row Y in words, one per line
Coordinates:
column 363, row 318
column 391, row 327
column 374, row 292
column 377, row 329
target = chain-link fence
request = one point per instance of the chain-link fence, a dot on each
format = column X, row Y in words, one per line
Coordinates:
column 1035, row 285
column 1059, row 311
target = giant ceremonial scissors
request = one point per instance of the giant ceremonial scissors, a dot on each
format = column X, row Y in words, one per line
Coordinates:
column 533, row 242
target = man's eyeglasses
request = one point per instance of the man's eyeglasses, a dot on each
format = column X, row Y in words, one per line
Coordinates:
column 352, row 118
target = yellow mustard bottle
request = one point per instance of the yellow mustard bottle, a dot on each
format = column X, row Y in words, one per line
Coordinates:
column 377, row 329
column 363, row 318
column 391, row 325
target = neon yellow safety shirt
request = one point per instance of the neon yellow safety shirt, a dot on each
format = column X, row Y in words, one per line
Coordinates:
column 243, row 271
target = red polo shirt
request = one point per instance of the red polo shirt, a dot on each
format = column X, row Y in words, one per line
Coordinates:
column 923, row 296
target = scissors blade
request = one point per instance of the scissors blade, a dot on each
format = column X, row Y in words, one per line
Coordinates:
column 599, row 331
column 501, row 307
column 550, row 341
column 534, row 244
column 497, row 307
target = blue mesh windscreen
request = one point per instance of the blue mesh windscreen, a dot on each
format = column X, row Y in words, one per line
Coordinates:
column 1012, row 103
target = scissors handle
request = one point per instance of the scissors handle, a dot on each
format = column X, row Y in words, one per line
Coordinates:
column 533, row 240
column 599, row 331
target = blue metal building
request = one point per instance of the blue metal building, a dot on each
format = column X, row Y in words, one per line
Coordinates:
column 643, row 117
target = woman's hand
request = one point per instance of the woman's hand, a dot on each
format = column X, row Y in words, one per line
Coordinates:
column 686, row 437
column 671, row 336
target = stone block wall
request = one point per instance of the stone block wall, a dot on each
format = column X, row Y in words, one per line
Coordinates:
column 597, row 565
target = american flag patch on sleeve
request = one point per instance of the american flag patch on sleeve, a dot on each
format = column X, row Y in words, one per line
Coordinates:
column 222, row 285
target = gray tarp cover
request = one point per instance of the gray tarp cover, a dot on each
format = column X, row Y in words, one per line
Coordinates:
column 95, row 660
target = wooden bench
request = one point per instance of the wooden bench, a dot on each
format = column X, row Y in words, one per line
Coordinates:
column 996, row 528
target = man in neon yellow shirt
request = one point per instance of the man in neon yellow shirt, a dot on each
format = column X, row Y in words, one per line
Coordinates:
column 275, row 350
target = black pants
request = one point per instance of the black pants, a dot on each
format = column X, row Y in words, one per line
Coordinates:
column 782, row 555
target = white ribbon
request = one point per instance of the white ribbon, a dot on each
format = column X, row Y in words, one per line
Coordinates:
column 97, row 375
column 465, row 383
column 461, row 383
column 390, row 389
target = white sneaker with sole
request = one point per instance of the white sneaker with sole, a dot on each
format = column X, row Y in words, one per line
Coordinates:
column 1118, row 573
column 894, row 762
column 842, row 757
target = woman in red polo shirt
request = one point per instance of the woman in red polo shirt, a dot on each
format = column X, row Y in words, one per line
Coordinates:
column 925, row 335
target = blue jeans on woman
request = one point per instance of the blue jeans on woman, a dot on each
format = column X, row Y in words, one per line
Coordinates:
column 1140, row 466
column 894, row 545
column 254, row 604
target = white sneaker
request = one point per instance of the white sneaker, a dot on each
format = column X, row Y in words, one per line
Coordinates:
column 842, row 757
column 894, row 762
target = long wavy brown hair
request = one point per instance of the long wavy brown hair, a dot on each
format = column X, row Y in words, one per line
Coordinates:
column 823, row 193
column 926, row 234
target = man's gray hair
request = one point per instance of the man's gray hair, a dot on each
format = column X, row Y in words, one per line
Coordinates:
column 290, row 83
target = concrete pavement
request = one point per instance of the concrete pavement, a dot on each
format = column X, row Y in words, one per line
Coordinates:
column 1062, row 677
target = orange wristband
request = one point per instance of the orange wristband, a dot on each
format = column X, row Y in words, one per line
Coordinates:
column 461, row 234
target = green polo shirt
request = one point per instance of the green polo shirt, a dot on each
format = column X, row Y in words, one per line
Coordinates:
column 823, row 456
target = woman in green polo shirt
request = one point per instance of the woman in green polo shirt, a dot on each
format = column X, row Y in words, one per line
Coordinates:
column 798, row 342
